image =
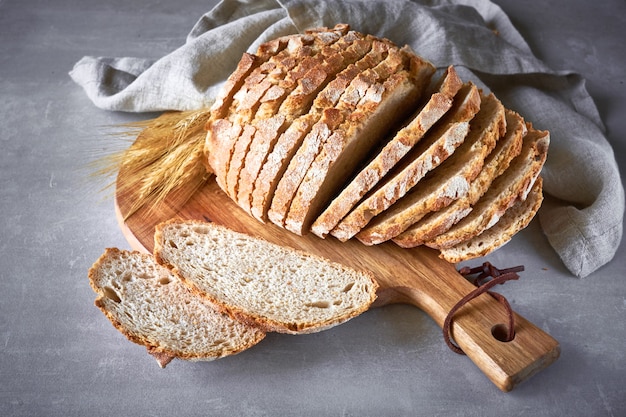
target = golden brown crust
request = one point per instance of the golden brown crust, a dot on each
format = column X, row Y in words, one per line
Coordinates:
column 406, row 138
column 440, row 143
column 450, row 182
column 516, row 218
column 438, row 222
column 515, row 183
column 246, row 65
column 221, row 138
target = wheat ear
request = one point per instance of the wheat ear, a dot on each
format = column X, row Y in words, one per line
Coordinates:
column 167, row 154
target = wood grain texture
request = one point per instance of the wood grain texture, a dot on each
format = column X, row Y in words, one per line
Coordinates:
column 415, row 276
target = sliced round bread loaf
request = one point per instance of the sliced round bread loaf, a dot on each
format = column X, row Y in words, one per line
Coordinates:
column 272, row 287
column 339, row 133
column 151, row 306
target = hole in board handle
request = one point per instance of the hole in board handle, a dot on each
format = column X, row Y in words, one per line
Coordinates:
column 501, row 333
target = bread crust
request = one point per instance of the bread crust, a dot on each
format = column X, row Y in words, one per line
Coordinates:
column 246, row 65
column 385, row 160
column 451, row 180
column 438, row 222
column 220, row 141
column 442, row 141
column 515, row 183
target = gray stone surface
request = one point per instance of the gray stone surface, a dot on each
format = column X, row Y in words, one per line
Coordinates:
column 59, row 356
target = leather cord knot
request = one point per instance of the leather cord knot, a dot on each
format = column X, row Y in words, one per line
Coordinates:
column 487, row 276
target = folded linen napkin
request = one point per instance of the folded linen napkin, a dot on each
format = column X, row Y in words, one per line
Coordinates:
column 583, row 213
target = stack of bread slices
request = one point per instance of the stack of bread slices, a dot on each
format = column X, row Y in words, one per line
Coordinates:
column 345, row 134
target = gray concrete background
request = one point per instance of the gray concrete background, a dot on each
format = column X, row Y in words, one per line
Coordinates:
column 59, row 356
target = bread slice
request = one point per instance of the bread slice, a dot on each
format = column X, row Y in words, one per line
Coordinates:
column 440, row 142
column 233, row 83
column 407, row 137
column 350, row 145
column 449, row 182
column 219, row 144
column 241, row 147
column 152, row 307
column 516, row 218
column 363, row 100
column 438, row 222
column 515, row 183
column 273, row 287
column 289, row 142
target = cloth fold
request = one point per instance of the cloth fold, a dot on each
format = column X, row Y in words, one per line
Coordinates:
column 582, row 216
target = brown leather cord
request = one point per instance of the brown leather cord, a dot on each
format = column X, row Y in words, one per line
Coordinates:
column 484, row 284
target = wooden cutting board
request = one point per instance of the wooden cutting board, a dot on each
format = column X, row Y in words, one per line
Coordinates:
column 414, row 276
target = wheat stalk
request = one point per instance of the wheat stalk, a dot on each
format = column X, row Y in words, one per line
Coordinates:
column 167, row 154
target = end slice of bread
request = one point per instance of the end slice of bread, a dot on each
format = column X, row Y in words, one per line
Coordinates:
column 272, row 287
column 151, row 306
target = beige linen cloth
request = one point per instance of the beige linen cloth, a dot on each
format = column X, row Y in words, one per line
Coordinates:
column 582, row 215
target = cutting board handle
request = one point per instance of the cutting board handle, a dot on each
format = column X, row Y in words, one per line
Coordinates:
column 477, row 326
